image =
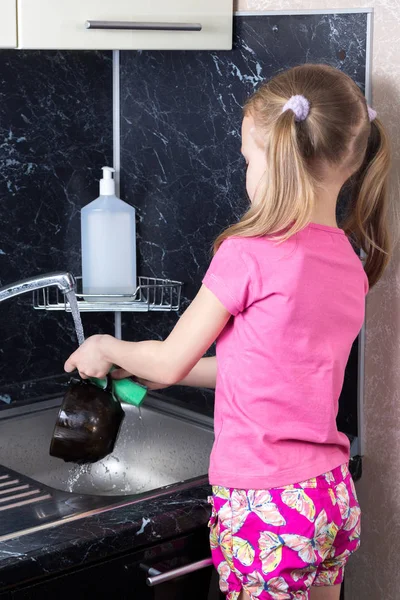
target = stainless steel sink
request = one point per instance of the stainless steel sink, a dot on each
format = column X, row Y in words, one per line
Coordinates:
column 158, row 447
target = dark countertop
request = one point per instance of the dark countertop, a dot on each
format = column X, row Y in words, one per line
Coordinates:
column 119, row 530
column 126, row 528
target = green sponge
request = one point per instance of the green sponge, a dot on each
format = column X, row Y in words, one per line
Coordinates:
column 129, row 391
column 126, row 390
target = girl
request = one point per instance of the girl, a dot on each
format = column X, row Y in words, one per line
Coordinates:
column 284, row 298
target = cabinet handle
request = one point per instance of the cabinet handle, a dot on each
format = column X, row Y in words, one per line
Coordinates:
column 156, row 577
column 143, row 26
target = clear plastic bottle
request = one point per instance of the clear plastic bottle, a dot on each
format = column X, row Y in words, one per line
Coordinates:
column 108, row 228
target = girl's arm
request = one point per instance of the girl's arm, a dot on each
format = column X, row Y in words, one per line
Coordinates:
column 167, row 362
column 204, row 374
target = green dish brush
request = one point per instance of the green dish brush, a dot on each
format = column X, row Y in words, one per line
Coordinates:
column 125, row 390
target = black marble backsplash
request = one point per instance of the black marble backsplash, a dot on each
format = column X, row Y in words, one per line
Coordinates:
column 180, row 136
column 55, row 135
column 181, row 168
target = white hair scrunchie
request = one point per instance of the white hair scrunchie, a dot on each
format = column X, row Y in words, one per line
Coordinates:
column 299, row 105
column 372, row 114
column 301, row 108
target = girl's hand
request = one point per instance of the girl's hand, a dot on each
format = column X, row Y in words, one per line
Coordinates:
column 168, row 363
column 151, row 385
column 89, row 359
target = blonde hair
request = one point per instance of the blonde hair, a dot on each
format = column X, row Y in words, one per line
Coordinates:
column 337, row 132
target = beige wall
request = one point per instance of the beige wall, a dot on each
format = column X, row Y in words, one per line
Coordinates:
column 374, row 573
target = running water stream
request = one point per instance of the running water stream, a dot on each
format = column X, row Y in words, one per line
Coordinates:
column 77, row 470
column 76, row 316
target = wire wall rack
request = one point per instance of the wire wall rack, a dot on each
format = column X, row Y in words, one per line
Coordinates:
column 152, row 294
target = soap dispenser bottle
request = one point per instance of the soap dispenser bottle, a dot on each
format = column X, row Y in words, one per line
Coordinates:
column 108, row 228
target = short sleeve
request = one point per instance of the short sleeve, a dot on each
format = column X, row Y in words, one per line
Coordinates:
column 228, row 276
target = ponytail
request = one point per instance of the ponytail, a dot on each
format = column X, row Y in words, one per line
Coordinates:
column 285, row 206
column 335, row 132
column 366, row 222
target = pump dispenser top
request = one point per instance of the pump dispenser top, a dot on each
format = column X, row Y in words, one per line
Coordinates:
column 108, row 227
column 107, row 184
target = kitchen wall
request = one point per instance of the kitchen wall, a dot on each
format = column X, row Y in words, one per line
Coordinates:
column 180, row 140
column 374, row 572
column 181, row 168
column 55, row 135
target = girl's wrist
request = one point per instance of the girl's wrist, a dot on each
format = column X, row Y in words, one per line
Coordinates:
column 106, row 347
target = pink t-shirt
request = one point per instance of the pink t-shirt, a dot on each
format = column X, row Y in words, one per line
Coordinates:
column 297, row 308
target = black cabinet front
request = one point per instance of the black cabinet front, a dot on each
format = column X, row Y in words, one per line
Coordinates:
column 127, row 577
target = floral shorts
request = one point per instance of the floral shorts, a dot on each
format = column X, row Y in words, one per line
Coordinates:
column 276, row 544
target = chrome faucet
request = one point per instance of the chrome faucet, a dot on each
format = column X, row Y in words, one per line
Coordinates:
column 64, row 281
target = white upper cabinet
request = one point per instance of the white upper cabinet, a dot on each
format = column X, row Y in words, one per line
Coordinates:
column 125, row 24
column 8, row 23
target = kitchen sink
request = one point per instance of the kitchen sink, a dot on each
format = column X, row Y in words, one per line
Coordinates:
column 161, row 450
column 158, row 446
